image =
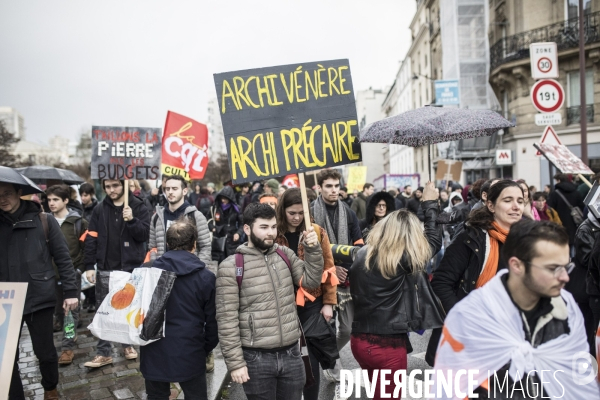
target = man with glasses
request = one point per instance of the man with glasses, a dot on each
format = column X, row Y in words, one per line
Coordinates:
column 522, row 327
column 115, row 241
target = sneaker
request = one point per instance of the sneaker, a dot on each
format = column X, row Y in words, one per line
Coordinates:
column 330, row 375
column 98, row 361
column 66, row 357
column 210, row 362
column 130, row 353
column 337, row 395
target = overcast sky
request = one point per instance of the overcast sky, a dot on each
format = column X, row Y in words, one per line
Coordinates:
column 67, row 65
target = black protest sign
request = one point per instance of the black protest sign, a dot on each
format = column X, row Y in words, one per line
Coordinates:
column 126, row 153
column 288, row 119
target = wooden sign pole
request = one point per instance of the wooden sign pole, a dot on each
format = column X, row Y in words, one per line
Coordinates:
column 304, row 200
column 126, row 193
column 583, row 179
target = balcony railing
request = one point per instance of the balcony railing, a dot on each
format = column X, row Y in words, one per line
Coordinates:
column 574, row 114
column 565, row 34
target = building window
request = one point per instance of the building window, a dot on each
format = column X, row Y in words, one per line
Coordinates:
column 573, row 88
column 572, row 8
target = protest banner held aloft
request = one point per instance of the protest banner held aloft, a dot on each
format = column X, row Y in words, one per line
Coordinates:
column 288, row 119
column 185, row 146
column 125, row 153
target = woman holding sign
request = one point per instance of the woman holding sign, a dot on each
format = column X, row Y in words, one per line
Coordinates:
column 311, row 303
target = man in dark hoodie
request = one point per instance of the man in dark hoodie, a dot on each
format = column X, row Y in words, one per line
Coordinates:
column 190, row 323
column 414, row 204
column 88, row 199
column 73, row 228
column 115, row 241
column 30, row 242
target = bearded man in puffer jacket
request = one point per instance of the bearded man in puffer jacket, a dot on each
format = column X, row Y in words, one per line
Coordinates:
column 256, row 312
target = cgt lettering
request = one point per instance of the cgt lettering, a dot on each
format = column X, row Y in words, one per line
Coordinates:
column 191, row 155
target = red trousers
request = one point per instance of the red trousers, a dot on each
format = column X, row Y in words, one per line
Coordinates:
column 373, row 356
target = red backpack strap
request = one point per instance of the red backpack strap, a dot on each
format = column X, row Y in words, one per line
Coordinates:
column 239, row 269
column 285, row 258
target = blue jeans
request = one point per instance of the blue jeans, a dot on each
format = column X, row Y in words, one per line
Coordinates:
column 274, row 376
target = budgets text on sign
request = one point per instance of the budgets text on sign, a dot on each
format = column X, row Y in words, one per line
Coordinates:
column 288, row 119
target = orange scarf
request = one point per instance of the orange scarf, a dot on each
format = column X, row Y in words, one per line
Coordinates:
column 497, row 234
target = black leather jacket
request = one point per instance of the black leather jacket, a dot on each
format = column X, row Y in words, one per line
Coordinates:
column 459, row 270
column 401, row 304
column 586, row 235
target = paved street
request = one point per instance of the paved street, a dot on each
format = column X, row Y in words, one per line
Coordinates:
column 121, row 380
column 416, row 360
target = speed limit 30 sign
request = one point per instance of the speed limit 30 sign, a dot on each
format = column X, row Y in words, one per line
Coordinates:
column 544, row 60
column 547, row 95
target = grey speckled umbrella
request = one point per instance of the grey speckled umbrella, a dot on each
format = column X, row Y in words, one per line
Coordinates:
column 43, row 173
column 430, row 125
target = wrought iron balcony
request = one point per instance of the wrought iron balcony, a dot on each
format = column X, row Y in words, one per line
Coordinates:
column 574, row 114
column 565, row 34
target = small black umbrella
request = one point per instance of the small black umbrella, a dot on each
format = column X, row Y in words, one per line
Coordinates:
column 429, row 125
column 43, row 173
column 9, row 175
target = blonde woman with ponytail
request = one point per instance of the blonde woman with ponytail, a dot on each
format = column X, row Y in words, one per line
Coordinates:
column 390, row 289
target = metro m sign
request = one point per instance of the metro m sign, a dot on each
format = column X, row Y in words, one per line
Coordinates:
column 504, row 157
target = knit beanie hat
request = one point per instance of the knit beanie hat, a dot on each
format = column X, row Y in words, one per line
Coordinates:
column 273, row 184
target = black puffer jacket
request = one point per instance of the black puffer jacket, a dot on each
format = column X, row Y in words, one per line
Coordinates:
column 89, row 209
column 401, row 304
column 569, row 190
column 227, row 222
column 367, row 224
column 587, row 234
column 30, row 257
column 459, row 270
column 133, row 237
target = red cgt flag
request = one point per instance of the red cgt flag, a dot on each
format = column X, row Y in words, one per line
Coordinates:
column 185, row 147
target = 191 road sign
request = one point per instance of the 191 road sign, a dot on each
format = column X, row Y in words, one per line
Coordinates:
column 547, row 95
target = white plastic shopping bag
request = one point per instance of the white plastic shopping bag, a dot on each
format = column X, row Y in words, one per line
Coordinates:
column 133, row 310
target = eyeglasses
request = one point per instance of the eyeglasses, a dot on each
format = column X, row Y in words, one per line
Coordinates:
column 556, row 271
column 382, row 206
column 114, row 186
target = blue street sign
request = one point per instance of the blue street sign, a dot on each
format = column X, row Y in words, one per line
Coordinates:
column 446, row 92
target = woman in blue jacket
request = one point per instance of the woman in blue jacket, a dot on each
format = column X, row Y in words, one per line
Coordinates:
column 190, row 322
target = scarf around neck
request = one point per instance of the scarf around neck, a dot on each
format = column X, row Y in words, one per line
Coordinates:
column 340, row 234
column 497, row 234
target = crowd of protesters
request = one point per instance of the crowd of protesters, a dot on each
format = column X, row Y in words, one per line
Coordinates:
column 419, row 258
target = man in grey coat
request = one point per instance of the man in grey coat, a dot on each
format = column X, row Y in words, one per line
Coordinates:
column 175, row 191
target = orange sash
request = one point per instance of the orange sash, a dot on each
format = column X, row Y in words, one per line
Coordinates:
column 497, row 234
